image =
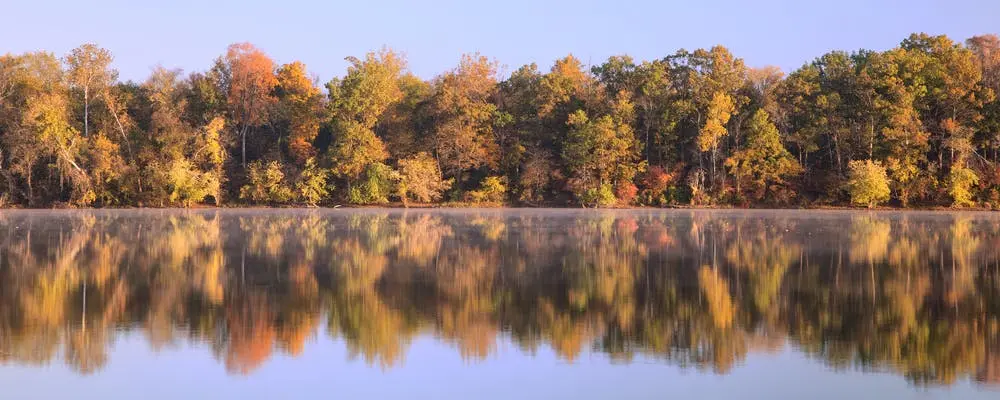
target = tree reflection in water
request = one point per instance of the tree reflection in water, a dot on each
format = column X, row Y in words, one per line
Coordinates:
column 912, row 293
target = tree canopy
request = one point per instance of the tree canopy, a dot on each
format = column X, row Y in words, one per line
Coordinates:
column 693, row 127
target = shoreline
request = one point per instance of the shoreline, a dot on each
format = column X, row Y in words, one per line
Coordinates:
column 400, row 206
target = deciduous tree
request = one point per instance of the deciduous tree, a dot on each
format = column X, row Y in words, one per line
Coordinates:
column 764, row 161
column 420, row 178
column 89, row 71
column 251, row 83
column 300, row 106
column 463, row 114
column 867, row 183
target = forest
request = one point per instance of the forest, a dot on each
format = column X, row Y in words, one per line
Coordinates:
column 694, row 289
column 914, row 126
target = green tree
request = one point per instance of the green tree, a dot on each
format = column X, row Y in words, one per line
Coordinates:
column 311, row 186
column 520, row 130
column 714, row 78
column 493, row 189
column 355, row 148
column 188, row 185
column 357, row 102
column 266, row 184
column 656, row 104
column 598, row 153
column 764, row 161
column 817, row 97
column 377, row 184
column 805, row 106
column 953, row 96
column 370, row 87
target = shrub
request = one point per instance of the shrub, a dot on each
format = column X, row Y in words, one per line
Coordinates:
column 599, row 197
column 654, row 183
column 626, row 192
column 960, row 183
column 312, row 187
column 867, row 183
column 695, row 182
column 993, row 198
column 679, row 194
column 420, row 178
column 378, row 183
column 535, row 177
column 189, row 185
column 493, row 189
column 265, row 184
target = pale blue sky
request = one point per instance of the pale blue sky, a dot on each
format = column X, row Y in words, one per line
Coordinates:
column 189, row 34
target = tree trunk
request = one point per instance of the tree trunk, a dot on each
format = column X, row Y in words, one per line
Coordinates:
column 31, row 189
column 836, row 151
column 646, row 123
column 121, row 128
column 871, row 139
column 714, row 177
column 86, row 111
column 243, row 152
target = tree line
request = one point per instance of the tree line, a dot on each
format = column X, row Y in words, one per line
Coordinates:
column 911, row 295
column 916, row 125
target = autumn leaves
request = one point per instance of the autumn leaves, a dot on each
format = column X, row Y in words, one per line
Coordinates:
column 697, row 128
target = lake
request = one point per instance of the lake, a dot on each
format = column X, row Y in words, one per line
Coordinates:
column 499, row 304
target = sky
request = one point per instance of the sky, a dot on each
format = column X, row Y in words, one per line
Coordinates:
column 189, row 34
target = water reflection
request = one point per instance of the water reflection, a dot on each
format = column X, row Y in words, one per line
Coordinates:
column 911, row 293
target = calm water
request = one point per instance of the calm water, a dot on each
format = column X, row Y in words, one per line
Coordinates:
column 520, row 304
